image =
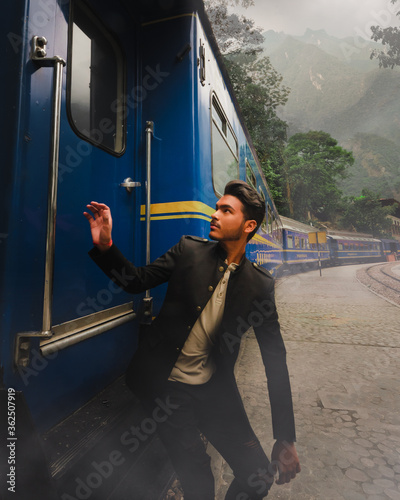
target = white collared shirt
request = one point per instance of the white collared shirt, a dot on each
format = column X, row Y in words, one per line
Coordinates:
column 194, row 365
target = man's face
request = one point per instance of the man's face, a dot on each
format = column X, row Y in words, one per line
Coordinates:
column 228, row 222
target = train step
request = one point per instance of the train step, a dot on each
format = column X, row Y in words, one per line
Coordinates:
column 108, row 450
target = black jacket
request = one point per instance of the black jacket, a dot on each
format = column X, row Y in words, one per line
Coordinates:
column 193, row 269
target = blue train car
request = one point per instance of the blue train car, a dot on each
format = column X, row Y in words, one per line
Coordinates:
column 348, row 248
column 126, row 103
column 298, row 253
column 391, row 249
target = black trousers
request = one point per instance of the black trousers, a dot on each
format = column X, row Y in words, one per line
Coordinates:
column 216, row 410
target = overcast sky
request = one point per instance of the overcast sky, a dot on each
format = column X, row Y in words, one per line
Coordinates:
column 340, row 18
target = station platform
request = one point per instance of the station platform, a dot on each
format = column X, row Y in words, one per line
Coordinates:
column 343, row 348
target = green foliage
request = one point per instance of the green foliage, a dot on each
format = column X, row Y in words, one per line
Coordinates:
column 234, row 33
column 314, row 163
column 259, row 91
column 390, row 39
column 257, row 86
column 366, row 214
column 359, row 109
column 376, row 166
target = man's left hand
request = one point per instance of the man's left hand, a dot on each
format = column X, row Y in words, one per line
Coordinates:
column 284, row 458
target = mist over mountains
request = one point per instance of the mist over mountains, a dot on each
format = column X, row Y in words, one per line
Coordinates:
column 337, row 88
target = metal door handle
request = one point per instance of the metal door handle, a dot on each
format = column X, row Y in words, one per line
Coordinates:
column 129, row 184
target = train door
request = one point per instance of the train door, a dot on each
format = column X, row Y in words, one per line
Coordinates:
column 94, row 54
column 334, row 249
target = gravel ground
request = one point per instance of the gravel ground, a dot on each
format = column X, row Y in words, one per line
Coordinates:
column 368, row 276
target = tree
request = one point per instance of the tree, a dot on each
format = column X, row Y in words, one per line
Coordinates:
column 366, row 214
column 390, row 37
column 257, row 86
column 259, row 91
column 314, row 163
column 234, row 33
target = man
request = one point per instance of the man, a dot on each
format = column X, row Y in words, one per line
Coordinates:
column 188, row 354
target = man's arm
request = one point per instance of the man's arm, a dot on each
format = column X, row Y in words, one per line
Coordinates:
column 284, row 455
column 112, row 262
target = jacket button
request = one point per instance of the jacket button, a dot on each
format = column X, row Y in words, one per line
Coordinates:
column 198, row 308
column 178, row 349
column 189, row 327
column 221, row 269
column 210, row 288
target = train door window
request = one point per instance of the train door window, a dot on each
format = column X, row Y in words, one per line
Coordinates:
column 225, row 163
column 269, row 211
column 273, row 224
column 302, row 243
column 264, row 221
column 250, row 177
column 290, row 241
column 340, row 246
column 296, row 242
column 95, row 82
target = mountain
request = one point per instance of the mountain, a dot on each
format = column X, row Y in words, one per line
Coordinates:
column 337, row 88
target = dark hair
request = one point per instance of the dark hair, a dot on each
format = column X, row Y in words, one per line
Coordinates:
column 253, row 204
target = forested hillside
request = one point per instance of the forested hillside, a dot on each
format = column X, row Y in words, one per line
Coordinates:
column 335, row 87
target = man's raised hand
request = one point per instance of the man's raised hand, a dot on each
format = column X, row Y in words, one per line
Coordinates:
column 100, row 224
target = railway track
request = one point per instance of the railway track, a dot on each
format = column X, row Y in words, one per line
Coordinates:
column 383, row 274
column 382, row 280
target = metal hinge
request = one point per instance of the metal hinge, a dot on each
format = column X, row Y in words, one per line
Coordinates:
column 202, row 63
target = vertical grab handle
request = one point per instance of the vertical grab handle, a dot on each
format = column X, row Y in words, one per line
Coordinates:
column 148, row 301
column 22, row 345
column 52, row 196
column 149, row 136
column 39, row 56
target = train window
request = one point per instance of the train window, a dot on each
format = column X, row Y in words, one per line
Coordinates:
column 225, row 163
column 218, row 117
column 290, row 241
column 296, row 242
column 95, row 82
column 280, row 235
column 269, row 211
column 250, row 177
column 264, row 222
column 232, row 140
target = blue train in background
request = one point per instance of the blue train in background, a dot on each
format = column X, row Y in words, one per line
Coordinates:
column 348, row 248
column 126, row 103
column 299, row 254
column 338, row 248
